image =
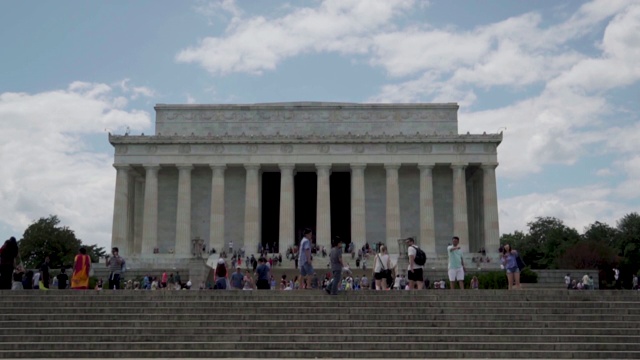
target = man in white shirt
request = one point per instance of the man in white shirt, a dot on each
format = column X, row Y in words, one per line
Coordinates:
column 415, row 271
column 456, row 263
column 567, row 280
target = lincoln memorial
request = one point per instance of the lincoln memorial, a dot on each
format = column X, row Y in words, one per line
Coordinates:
column 260, row 173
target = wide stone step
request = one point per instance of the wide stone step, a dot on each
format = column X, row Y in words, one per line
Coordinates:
column 228, row 336
column 326, row 353
column 336, row 346
column 261, row 330
column 284, row 310
column 556, row 294
column 384, row 316
column 285, row 325
column 320, row 302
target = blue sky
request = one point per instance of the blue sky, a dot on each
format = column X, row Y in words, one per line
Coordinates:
column 563, row 78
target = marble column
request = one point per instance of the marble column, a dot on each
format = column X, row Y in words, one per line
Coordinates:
column 323, row 210
column 138, row 215
column 150, row 221
column 393, row 208
column 216, row 220
column 120, row 228
column 286, row 230
column 358, row 223
column 427, row 216
column 131, row 211
column 490, row 206
column 183, row 213
column 460, row 218
column 252, row 209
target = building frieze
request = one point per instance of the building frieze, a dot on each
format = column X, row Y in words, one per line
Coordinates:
column 160, row 139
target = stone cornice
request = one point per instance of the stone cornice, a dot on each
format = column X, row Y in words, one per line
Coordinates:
column 306, row 139
column 305, row 105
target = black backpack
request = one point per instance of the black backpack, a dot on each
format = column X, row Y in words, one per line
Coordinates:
column 421, row 257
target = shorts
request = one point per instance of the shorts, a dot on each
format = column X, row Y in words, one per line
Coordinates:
column 513, row 270
column 456, row 274
column 415, row 275
column 306, row 269
column 378, row 276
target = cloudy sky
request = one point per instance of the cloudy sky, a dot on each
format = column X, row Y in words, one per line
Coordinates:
column 561, row 79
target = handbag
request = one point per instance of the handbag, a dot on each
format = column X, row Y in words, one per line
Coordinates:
column 386, row 273
column 520, row 262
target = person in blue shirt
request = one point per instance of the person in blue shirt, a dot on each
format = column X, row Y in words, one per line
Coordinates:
column 510, row 263
column 262, row 271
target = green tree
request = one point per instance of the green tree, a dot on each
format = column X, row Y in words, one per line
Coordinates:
column 552, row 237
column 602, row 233
column 45, row 237
column 628, row 243
column 588, row 254
column 95, row 252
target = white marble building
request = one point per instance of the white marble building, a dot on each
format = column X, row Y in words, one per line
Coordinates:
column 236, row 173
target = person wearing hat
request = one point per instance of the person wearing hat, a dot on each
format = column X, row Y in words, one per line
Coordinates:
column 236, row 279
column 220, row 275
column 415, row 271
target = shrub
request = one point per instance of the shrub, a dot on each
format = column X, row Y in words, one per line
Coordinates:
column 488, row 280
column 528, row 276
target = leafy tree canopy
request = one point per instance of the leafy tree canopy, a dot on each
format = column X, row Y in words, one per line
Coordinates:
column 45, row 237
column 550, row 244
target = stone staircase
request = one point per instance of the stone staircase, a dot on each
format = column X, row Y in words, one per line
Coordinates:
column 546, row 324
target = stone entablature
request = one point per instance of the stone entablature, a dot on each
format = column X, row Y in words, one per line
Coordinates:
column 306, row 118
column 126, row 145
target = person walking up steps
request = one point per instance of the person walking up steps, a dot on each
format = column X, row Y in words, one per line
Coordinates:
column 304, row 260
column 415, row 271
column 335, row 258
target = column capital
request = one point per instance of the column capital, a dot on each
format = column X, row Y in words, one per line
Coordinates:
column 219, row 167
column 255, row 167
column 426, row 166
column 489, row 165
column 122, row 166
column 184, row 167
column 392, row 166
column 287, row 167
column 358, row 166
column 459, row 165
column 323, row 169
column 151, row 167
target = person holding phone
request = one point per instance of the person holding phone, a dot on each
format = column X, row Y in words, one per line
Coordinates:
column 510, row 263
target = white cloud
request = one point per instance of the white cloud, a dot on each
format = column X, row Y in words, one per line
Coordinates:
column 604, row 172
column 256, row 44
column 135, row 91
column 217, row 9
column 50, row 168
column 577, row 207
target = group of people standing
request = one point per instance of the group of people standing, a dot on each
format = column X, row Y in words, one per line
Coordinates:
column 13, row 275
column 383, row 267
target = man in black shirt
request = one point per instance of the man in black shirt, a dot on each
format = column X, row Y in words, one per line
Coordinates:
column 62, row 280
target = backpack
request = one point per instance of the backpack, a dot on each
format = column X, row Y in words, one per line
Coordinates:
column 421, row 257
